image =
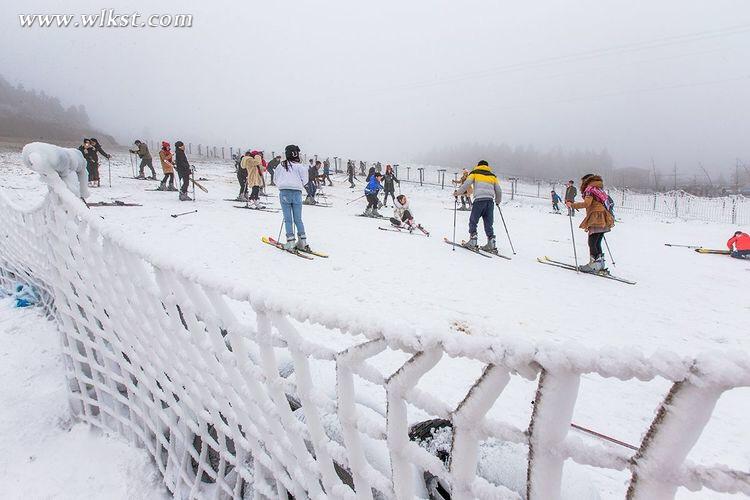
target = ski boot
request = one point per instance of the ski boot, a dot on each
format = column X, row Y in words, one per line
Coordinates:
column 171, row 188
column 595, row 266
column 161, row 187
column 290, row 244
column 490, row 247
column 141, row 177
column 242, row 197
column 151, row 177
column 185, row 197
column 368, row 212
column 376, row 214
column 472, row 243
column 302, row 245
column 395, row 222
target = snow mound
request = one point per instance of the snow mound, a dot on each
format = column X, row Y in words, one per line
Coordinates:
column 67, row 163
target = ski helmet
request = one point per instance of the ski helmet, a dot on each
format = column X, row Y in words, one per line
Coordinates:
column 292, row 152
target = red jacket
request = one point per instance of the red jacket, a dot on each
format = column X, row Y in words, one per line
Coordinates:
column 740, row 242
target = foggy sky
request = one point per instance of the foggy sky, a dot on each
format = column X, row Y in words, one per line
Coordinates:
column 389, row 80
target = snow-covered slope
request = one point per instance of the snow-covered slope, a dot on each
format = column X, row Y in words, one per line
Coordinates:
column 684, row 302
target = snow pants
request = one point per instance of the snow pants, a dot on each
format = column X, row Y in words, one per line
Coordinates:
column 291, row 207
column 311, row 188
column 484, row 209
column 740, row 254
column 372, row 201
column 184, row 176
column 93, row 170
column 254, row 193
column 149, row 162
column 595, row 245
column 168, row 177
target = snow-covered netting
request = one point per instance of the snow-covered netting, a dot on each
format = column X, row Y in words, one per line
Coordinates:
column 239, row 391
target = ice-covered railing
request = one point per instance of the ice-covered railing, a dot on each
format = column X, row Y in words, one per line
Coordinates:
column 238, row 392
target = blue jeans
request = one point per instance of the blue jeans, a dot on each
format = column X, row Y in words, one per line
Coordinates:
column 740, row 254
column 291, row 207
column 484, row 209
column 311, row 188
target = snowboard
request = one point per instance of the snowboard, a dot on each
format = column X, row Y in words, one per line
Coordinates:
column 571, row 267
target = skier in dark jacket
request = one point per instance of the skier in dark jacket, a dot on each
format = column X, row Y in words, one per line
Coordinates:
column 555, row 201
column 389, row 185
column 93, row 152
column 242, row 178
column 351, row 173
column 327, row 172
column 272, row 166
column 570, row 196
column 183, row 169
column 312, row 183
column 86, row 150
column 145, row 155
column 371, row 193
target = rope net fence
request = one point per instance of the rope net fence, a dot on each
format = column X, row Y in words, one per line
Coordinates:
column 237, row 393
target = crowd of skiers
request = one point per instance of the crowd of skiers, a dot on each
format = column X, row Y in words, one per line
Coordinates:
column 477, row 190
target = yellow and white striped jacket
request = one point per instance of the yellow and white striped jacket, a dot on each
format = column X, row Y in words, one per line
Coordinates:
column 486, row 184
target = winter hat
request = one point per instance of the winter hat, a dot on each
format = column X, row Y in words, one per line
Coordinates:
column 292, row 152
column 164, row 144
column 93, row 140
column 136, row 141
column 178, row 144
column 483, row 163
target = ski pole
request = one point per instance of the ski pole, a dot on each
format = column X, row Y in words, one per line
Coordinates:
column 184, row 213
column 356, row 199
column 506, row 229
column 609, row 251
column 573, row 237
column 192, row 177
column 455, row 211
column 109, row 168
column 283, row 219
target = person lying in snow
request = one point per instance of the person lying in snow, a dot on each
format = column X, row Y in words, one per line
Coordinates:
column 402, row 215
column 739, row 245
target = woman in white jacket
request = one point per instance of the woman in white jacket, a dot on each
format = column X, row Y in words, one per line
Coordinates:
column 290, row 177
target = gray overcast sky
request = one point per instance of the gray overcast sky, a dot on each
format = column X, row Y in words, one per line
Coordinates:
column 391, row 79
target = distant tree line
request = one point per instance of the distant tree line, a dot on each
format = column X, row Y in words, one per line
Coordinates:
column 31, row 114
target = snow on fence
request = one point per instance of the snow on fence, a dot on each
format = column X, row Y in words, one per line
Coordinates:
column 243, row 393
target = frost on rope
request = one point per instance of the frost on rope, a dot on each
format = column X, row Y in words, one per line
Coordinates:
column 67, row 163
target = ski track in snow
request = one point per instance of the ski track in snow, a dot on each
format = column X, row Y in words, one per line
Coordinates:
column 45, row 453
column 683, row 302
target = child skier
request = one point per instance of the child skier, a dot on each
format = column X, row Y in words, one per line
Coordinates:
column 555, row 200
column 167, row 166
column 290, row 178
column 487, row 194
column 402, row 215
column 466, row 197
column 739, row 245
column 371, row 193
column 598, row 220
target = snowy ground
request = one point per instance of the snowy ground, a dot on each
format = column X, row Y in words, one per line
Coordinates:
column 45, row 454
column 683, row 302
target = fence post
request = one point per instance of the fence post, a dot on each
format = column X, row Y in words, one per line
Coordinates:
column 199, row 150
column 622, row 203
column 214, row 151
column 441, row 174
column 421, row 175
column 408, row 169
column 654, row 202
column 222, row 152
column 675, row 205
column 538, row 189
column 734, row 210
column 190, row 148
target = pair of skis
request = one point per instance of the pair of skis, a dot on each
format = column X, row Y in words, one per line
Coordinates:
column 304, row 254
column 371, row 216
column 477, row 251
column 416, row 230
column 699, row 249
column 261, row 209
column 571, row 267
column 115, row 203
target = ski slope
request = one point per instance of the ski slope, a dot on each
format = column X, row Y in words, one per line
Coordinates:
column 684, row 302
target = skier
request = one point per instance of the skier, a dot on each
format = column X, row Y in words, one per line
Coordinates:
column 378, row 167
column 272, row 166
column 402, row 215
column 252, row 164
column 371, row 193
column 389, row 185
column 466, row 197
column 312, row 184
column 370, row 174
column 350, row 172
column 739, row 245
column 145, row 155
column 570, row 196
column 555, row 200
column 86, row 150
column 290, row 178
column 362, row 167
column 96, row 148
column 487, row 193
column 598, row 220
column 242, row 176
column 183, row 170
column 167, row 166
column 327, row 172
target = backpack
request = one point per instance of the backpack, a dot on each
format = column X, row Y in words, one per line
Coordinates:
column 609, row 204
column 602, row 197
